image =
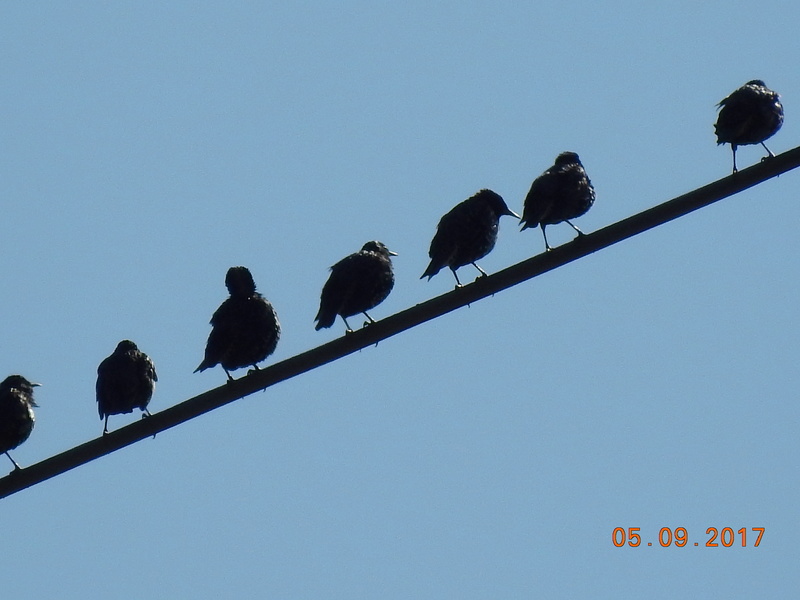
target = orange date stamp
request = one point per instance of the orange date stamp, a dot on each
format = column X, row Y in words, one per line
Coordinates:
column 678, row 536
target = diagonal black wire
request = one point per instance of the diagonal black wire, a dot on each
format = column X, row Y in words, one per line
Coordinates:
column 484, row 286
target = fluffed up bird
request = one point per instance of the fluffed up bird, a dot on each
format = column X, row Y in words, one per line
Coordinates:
column 357, row 283
column 750, row 115
column 467, row 233
column 561, row 193
column 244, row 329
column 16, row 413
column 125, row 381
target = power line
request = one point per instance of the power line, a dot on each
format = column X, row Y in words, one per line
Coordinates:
column 484, row 286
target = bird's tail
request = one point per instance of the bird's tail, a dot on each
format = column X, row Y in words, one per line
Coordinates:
column 324, row 319
column 203, row 366
column 432, row 270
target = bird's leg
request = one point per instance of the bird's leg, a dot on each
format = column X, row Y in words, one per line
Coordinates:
column 105, row 426
column 253, row 370
column 145, row 414
column 733, row 147
column 458, row 283
column 250, row 372
column 348, row 329
column 547, row 246
column 575, row 228
column 771, row 155
column 230, row 377
column 368, row 323
column 16, row 466
column 370, row 320
column 483, row 273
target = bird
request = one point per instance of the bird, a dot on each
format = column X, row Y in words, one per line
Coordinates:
column 125, row 381
column 467, row 233
column 561, row 193
column 244, row 330
column 16, row 413
column 750, row 115
column 357, row 283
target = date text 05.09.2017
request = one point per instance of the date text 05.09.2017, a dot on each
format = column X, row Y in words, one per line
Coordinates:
column 678, row 536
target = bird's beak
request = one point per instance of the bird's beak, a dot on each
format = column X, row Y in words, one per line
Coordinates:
column 511, row 213
column 36, row 384
column 392, row 253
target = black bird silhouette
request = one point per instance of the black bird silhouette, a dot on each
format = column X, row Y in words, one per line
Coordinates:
column 356, row 284
column 750, row 115
column 467, row 233
column 245, row 328
column 16, row 413
column 125, row 381
column 561, row 193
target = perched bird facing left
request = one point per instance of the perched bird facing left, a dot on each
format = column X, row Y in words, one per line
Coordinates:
column 561, row 193
column 356, row 284
column 467, row 233
column 750, row 115
column 244, row 329
column 16, row 413
column 125, row 381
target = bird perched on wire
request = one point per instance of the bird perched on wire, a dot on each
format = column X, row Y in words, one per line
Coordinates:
column 16, row 413
column 561, row 193
column 750, row 115
column 125, row 381
column 357, row 283
column 244, row 329
column 467, row 233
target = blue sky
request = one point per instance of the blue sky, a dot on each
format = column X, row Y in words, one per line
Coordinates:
column 145, row 148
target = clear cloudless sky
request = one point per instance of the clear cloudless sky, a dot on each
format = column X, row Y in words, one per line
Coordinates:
column 145, row 147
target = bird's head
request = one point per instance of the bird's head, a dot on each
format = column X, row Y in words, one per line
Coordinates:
column 567, row 158
column 125, row 346
column 378, row 248
column 240, row 282
column 497, row 203
column 18, row 382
